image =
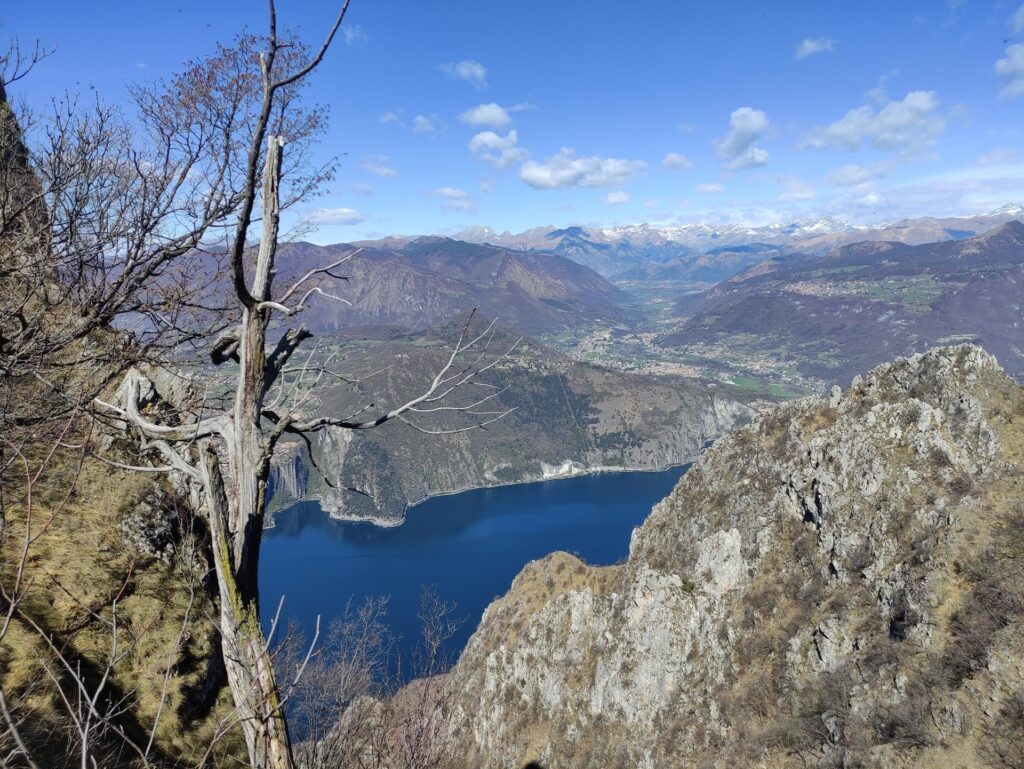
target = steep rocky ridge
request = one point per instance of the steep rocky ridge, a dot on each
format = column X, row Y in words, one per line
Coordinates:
column 841, row 583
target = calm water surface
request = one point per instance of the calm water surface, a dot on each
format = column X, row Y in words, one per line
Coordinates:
column 468, row 547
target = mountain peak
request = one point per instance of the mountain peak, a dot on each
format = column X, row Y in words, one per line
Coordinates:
column 1013, row 209
column 1011, row 233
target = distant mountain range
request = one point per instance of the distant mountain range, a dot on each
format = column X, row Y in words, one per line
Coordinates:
column 422, row 282
column 616, row 251
column 841, row 314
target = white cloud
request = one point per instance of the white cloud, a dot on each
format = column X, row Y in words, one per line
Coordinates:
column 675, row 161
column 747, row 126
column 455, row 199
column 389, row 117
column 1017, row 20
column 851, row 174
column 794, row 189
column 1011, row 69
column 426, row 124
column 487, row 184
column 619, row 196
column 363, row 190
column 813, row 45
column 354, row 34
column 908, row 126
column 999, row 156
column 499, row 151
column 452, row 193
column 471, row 71
column 879, row 94
column 378, row 166
column 492, row 115
column 709, row 188
column 871, row 200
column 566, row 170
column 343, row 216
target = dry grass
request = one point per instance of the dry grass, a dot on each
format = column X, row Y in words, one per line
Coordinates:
column 77, row 566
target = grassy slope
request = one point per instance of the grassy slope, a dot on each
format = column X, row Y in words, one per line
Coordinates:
column 78, row 565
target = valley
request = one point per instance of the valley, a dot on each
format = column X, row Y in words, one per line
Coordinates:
column 319, row 450
column 636, row 372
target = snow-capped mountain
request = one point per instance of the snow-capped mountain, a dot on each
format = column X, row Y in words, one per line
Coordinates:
column 615, row 250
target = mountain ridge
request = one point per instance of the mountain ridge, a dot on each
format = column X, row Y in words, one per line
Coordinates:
column 862, row 303
column 817, row 590
column 424, row 281
column 614, row 249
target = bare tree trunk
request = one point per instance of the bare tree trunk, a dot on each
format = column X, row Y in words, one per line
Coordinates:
column 236, row 514
column 247, row 659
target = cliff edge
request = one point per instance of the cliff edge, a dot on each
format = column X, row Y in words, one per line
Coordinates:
column 841, row 583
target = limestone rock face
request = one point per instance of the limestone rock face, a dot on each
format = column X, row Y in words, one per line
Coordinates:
column 841, row 583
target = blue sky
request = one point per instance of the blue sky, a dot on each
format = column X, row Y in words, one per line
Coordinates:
column 523, row 114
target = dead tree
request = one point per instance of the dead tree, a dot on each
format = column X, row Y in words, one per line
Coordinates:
column 227, row 456
column 122, row 230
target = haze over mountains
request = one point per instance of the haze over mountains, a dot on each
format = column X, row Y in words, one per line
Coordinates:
column 613, row 250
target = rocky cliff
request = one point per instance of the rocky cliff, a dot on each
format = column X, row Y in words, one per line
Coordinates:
column 841, row 583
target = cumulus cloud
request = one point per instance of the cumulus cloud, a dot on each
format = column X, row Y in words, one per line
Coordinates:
column 455, row 199
column 566, row 170
column 491, row 115
column 343, row 216
column 675, row 161
column 1011, row 69
column 910, row 125
column 470, row 71
column 378, row 166
column 389, row 117
column 500, row 151
column 709, row 188
column 738, row 148
column 813, row 45
column 426, row 124
column 998, row 156
column 619, row 196
column 851, row 174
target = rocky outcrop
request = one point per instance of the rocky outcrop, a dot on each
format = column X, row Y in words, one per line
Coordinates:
column 839, row 584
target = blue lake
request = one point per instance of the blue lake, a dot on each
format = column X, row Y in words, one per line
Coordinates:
column 467, row 547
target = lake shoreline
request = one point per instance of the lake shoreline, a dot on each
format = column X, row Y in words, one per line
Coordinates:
column 392, row 523
column 466, row 548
